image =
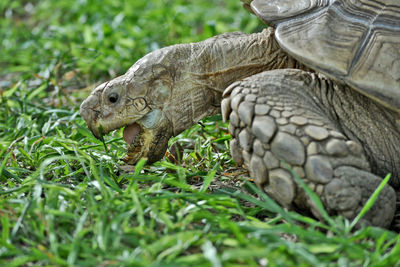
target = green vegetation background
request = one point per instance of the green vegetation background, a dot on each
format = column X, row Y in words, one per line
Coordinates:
column 67, row 200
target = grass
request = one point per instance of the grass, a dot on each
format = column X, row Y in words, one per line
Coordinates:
column 67, row 200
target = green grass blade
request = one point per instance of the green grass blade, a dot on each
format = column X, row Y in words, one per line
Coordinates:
column 207, row 180
column 314, row 198
column 370, row 202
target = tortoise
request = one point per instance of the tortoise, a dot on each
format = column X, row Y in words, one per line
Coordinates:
column 316, row 94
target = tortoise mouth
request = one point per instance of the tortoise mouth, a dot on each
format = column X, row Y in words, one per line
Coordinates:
column 136, row 137
column 146, row 138
column 149, row 143
column 131, row 132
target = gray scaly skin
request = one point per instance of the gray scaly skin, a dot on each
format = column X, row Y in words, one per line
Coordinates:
column 304, row 121
column 338, row 141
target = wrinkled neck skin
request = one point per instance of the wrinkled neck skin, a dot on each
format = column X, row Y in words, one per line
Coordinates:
column 193, row 76
column 172, row 88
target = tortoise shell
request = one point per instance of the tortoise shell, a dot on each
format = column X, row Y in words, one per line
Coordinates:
column 354, row 42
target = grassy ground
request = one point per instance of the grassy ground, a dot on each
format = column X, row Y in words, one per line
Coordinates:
column 67, row 200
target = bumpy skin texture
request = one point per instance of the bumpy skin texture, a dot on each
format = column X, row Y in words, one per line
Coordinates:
column 294, row 119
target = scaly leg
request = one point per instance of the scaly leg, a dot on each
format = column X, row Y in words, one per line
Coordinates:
column 278, row 120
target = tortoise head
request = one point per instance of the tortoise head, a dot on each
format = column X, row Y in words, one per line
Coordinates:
column 172, row 88
column 136, row 102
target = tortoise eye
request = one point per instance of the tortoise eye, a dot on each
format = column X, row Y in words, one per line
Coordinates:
column 113, row 97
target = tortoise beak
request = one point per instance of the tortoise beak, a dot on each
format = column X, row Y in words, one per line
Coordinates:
column 90, row 114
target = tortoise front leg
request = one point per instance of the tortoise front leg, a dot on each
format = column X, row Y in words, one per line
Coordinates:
column 277, row 120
